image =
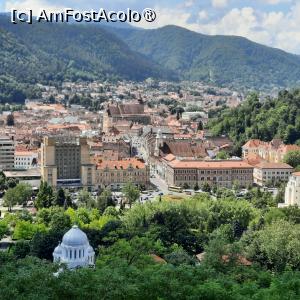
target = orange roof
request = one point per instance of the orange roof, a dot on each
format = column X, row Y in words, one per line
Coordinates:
column 240, row 259
column 169, row 157
column 296, row 174
column 253, row 143
column 158, row 259
column 288, row 148
column 122, row 164
column 253, row 159
column 25, row 153
column 194, row 164
column 271, row 165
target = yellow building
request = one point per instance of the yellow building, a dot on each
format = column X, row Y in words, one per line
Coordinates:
column 115, row 173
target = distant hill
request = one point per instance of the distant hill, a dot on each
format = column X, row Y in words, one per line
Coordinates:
column 225, row 60
column 51, row 53
column 46, row 52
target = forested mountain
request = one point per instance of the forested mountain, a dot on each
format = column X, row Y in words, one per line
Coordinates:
column 227, row 60
column 51, row 53
column 46, row 52
column 273, row 118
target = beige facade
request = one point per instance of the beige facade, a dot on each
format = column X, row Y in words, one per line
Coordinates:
column 7, row 153
column 114, row 174
column 218, row 173
column 65, row 161
column 266, row 173
column 273, row 151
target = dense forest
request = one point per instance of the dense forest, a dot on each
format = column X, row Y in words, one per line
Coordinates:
column 223, row 60
column 249, row 248
column 265, row 120
column 52, row 53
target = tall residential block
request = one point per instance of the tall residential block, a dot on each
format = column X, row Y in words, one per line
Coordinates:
column 65, row 161
column 7, row 153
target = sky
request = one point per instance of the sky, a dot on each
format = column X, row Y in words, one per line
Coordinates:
column 274, row 23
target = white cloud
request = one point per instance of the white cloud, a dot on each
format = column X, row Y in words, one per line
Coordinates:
column 240, row 22
column 275, row 2
column 189, row 3
column 167, row 16
column 219, row 3
column 203, row 15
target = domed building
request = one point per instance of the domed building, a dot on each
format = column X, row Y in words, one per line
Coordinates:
column 74, row 250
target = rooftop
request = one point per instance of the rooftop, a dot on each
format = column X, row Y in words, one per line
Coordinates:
column 271, row 165
column 122, row 164
column 224, row 164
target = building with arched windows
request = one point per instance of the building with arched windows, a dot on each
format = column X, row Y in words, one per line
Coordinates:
column 74, row 250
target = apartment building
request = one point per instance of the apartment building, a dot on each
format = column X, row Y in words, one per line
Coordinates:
column 273, row 151
column 114, row 174
column 7, row 153
column 65, row 161
column 269, row 173
column 224, row 173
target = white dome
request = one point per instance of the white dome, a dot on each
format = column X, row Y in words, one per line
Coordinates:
column 91, row 250
column 75, row 237
column 58, row 250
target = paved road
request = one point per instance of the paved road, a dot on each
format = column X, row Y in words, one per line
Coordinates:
column 163, row 187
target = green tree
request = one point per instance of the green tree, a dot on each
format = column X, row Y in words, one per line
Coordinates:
column 85, row 199
column 21, row 249
column 179, row 257
column 222, row 155
column 3, row 229
column 200, row 126
column 25, row 230
column 134, row 252
column 292, row 158
column 205, row 187
column 10, row 120
column 43, row 243
column 62, row 198
column 277, row 246
column 9, row 199
column 105, row 200
column 131, row 193
column 20, row 194
column 45, row 196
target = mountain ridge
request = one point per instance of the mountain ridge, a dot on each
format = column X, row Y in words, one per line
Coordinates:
column 195, row 56
column 51, row 53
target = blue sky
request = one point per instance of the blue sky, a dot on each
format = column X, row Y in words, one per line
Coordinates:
column 274, row 23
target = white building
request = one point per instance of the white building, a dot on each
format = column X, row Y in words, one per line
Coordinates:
column 265, row 173
column 292, row 190
column 75, row 250
column 26, row 159
column 7, row 153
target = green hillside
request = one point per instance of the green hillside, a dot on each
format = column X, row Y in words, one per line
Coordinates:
column 52, row 53
column 273, row 118
column 56, row 52
column 224, row 60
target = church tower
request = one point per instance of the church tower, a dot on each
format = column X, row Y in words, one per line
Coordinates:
column 158, row 143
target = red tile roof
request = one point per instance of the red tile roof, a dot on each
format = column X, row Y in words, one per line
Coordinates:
column 122, row 164
column 225, row 164
column 271, row 165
